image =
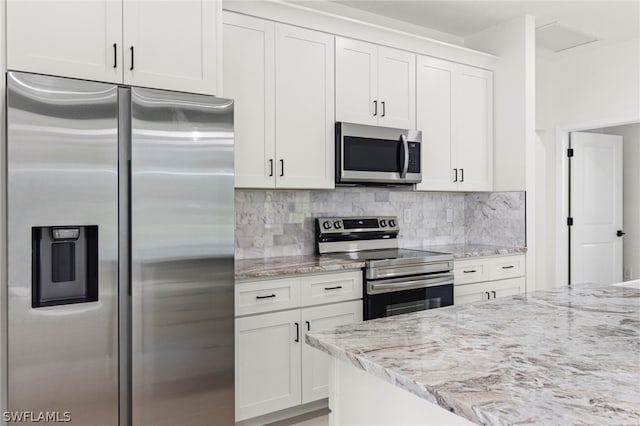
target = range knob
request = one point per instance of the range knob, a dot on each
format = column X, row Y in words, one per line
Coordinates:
column 383, row 223
column 326, row 225
column 392, row 223
column 337, row 224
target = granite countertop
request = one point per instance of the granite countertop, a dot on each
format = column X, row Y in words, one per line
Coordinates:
column 474, row 250
column 274, row 266
column 247, row 269
column 558, row 357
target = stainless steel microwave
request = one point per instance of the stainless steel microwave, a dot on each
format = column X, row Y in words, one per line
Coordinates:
column 377, row 155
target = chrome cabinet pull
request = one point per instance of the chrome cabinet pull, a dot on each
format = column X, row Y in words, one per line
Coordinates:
column 405, row 149
column 297, row 332
column 456, row 178
column 266, row 297
column 270, row 167
column 375, row 108
column 131, row 67
column 115, row 55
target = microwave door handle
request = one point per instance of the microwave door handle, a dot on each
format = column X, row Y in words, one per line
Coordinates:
column 405, row 150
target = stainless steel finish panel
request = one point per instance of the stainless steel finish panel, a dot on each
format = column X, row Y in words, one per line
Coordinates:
column 408, row 283
column 62, row 170
column 376, row 132
column 333, row 230
column 399, row 270
column 124, row 252
column 182, row 259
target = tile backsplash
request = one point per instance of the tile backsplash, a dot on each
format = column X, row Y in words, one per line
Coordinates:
column 281, row 223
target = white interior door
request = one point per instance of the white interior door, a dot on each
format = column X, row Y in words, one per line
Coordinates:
column 596, row 208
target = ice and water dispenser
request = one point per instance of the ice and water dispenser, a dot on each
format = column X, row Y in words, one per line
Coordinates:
column 65, row 265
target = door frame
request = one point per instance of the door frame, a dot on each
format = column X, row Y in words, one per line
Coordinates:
column 562, row 190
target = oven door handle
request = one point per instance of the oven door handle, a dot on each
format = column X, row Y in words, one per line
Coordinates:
column 407, row 285
column 405, row 149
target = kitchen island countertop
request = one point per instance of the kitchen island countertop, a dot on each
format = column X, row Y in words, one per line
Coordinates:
column 564, row 356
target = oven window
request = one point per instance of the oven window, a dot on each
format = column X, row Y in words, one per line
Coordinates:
column 402, row 302
column 372, row 155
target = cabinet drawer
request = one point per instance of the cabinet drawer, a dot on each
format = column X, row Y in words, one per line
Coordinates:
column 329, row 288
column 470, row 271
column 506, row 267
column 264, row 296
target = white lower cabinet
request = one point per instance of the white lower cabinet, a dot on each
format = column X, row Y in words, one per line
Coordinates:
column 267, row 363
column 315, row 364
column 275, row 368
column 482, row 279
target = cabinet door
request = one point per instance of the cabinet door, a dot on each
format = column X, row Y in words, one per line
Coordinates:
column 174, row 42
column 356, row 82
column 316, row 364
column 248, row 79
column 304, row 108
column 81, row 39
column 510, row 287
column 434, row 117
column 267, row 363
column 473, row 128
column 396, row 88
column 470, row 293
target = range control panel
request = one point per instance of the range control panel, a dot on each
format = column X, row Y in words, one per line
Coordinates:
column 354, row 225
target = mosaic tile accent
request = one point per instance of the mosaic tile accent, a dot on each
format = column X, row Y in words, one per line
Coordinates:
column 281, row 222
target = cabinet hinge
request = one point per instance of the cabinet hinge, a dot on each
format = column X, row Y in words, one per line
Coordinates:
column 569, row 221
column 570, row 152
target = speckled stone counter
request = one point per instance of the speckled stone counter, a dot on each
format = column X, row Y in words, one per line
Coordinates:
column 460, row 251
column 247, row 269
column 560, row 357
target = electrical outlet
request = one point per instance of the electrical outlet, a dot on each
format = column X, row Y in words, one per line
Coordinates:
column 449, row 215
column 627, row 273
column 407, row 215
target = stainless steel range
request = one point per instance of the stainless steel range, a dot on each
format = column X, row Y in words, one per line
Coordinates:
column 396, row 281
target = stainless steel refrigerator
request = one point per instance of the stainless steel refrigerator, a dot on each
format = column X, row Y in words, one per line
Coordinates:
column 120, row 253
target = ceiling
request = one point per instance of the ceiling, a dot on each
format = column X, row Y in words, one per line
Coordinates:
column 604, row 20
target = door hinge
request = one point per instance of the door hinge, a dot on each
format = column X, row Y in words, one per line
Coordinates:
column 569, row 221
column 570, row 152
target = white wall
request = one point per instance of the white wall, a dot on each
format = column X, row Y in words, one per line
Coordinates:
column 593, row 87
column 631, row 195
column 598, row 85
column 545, row 173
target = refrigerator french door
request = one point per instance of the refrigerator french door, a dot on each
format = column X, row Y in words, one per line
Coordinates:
column 120, row 253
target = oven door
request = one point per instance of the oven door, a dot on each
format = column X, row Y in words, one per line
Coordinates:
column 397, row 296
column 369, row 154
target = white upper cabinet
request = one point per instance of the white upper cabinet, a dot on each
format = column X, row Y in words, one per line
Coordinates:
column 249, row 79
column 356, row 81
column 169, row 45
column 281, row 79
column 396, row 88
column 81, row 39
column 172, row 44
column 473, row 114
column 374, row 85
column 455, row 114
column 304, row 108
